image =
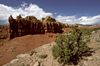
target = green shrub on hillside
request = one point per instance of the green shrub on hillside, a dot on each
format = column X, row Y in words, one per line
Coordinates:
column 97, row 40
column 85, row 31
column 70, row 47
column 96, row 29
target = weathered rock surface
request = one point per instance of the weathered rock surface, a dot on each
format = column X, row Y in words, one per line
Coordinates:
column 30, row 25
column 3, row 32
column 68, row 25
column 36, row 64
column 48, row 19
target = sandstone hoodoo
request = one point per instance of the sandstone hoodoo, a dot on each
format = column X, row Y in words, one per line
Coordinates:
column 31, row 25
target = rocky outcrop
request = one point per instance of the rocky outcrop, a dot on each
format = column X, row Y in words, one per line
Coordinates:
column 31, row 18
column 75, row 25
column 48, row 19
column 30, row 25
column 3, row 32
column 68, row 25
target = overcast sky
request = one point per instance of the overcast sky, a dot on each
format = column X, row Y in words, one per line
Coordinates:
column 65, row 11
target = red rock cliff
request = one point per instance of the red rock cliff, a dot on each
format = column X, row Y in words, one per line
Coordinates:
column 30, row 25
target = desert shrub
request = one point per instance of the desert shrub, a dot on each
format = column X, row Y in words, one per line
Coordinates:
column 97, row 48
column 70, row 47
column 87, row 31
column 95, row 29
column 74, row 27
column 97, row 40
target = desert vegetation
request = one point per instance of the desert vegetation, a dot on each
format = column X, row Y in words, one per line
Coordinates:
column 70, row 48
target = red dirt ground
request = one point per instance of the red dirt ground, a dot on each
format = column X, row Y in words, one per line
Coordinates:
column 10, row 49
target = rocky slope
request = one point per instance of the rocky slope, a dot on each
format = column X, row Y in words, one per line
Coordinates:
column 42, row 56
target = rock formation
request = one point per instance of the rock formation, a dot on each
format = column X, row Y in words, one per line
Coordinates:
column 3, row 32
column 48, row 19
column 68, row 25
column 76, row 24
column 32, row 18
column 30, row 25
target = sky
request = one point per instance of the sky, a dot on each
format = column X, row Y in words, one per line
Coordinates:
column 86, row 12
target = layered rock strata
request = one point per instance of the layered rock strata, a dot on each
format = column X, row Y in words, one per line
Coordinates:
column 30, row 25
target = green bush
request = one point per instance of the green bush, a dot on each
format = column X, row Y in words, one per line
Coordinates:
column 95, row 29
column 87, row 31
column 97, row 48
column 97, row 40
column 70, row 46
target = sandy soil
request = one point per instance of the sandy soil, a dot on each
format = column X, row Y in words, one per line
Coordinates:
column 18, row 45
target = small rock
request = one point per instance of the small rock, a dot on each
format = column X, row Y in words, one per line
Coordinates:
column 15, row 60
column 22, row 64
column 6, row 64
column 31, row 64
column 12, row 47
column 85, row 63
column 36, row 64
column 43, row 56
column 27, row 65
column 44, row 46
column 93, row 31
column 42, row 65
column 30, row 61
column 97, row 57
column 32, row 52
column 22, row 55
column 92, row 37
column 89, row 58
column 11, row 50
column 2, row 37
column 5, row 49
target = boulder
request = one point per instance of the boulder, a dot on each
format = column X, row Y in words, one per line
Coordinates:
column 37, row 64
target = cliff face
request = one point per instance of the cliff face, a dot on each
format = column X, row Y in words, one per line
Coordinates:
column 30, row 25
